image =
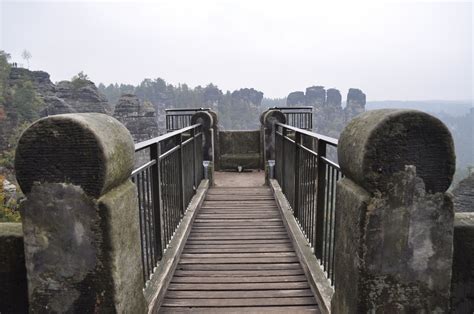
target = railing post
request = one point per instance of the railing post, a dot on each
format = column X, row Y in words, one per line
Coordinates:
column 193, row 135
column 80, row 218
column 155, row 152
column 296, row 209
column 394, row 240
column 320, row 200
column 181, row 176
column 283, row 179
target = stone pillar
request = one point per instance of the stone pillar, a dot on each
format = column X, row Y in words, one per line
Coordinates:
column 268, row 119
column 80, row 218
column 462, row 283
column 394, row 219
column 13, row 285
column 207, row 124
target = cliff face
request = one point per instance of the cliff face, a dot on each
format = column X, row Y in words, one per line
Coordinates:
column 464, row 194
column 65, row 97
column 83, row 97
column 245, row 100
column 329, row 118
column 138, row 117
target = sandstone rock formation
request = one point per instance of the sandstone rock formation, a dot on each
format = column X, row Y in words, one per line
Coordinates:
column 296, row 99
column 329, row 118
column 83, row 98
column 355, row 103
column 464, row 194
column 40, row 80
column 245, row 100
column 138, row 117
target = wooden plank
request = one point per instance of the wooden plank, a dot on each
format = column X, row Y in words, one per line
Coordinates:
column 239, row 237
column 231, row 260
column 240, row 245
column 238, row 294
column 239, row 286
column 237, row 250
column 206, row 233
column 302, row 309
column 186, row 255
column 238, row 273
column 259, row 241
column 240, row 279
column 249, row 266
column 240, row 302
column 239, row 229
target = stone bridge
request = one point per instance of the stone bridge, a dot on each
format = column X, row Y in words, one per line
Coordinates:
column 279, row 219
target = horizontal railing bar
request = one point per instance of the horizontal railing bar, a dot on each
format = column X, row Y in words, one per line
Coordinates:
column 288, row 139
column 293, row 108
column 169, row 152
column 143, row 167
column 145, row 144
column 189, row 140
column 298, row 112
column 179, row 115
column 187, row 109
column 330, row 163
column 324, row 138
column 308, row 150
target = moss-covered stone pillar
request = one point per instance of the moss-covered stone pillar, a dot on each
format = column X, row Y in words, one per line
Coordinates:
column 207, row 124
column 80, row 218
column 268, row 120
column 394, row 219
column 462, row 283
column 13, row 285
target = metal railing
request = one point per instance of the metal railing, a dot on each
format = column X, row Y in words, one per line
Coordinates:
column 300, row 117
column 166, row 184
column 308, row 180
column 180, row 118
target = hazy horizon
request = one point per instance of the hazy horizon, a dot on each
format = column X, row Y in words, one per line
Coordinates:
column 392, row 51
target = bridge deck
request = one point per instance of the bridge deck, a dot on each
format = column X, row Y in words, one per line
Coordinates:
column 238, row 258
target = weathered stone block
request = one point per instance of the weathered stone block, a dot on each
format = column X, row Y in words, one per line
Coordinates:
column 94, row 151
column 462, row 284
column 13, row 284
column 80, row 218
column 393, row 250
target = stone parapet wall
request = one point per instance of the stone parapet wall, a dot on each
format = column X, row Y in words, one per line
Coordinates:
column 394, row 219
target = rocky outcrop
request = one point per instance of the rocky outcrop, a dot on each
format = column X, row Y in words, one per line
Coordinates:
column 246, row 100
column 464, row 194
column 296, row 99
column 40, row 80
column 83, row 97
column 55, row 105
column 329, row 118
column 355, row 103
column 65, row 97
column 315, row 96
column 138, row 117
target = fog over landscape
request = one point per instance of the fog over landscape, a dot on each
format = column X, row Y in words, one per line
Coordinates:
column 391, row 50
column 238, row 58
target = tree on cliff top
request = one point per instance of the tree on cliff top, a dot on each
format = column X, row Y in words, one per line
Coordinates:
column 27, row 56
column 80, row 80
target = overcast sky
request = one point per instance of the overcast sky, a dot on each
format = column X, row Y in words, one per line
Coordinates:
column 397, row 50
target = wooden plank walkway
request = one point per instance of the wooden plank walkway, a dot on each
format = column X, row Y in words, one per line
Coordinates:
column 239, row 258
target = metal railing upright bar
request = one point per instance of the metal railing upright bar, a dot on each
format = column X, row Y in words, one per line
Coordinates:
column 300, row 117
column 166, row 184
column 179, row 118
column 308, row 179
